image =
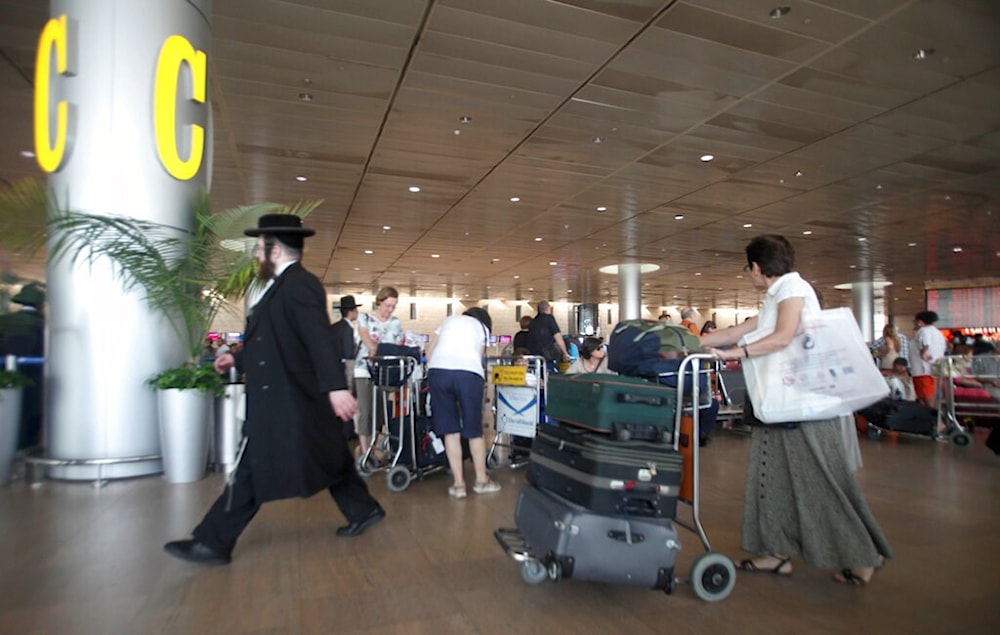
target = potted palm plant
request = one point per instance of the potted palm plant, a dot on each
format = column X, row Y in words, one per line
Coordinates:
column 185, row 277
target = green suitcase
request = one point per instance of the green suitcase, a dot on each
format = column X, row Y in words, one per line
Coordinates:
column 626, row 407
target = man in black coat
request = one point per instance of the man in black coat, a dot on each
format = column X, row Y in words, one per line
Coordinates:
column 22, row 334
column 296, row 390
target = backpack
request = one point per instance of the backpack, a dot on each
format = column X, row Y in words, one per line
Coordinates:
column 638, row 348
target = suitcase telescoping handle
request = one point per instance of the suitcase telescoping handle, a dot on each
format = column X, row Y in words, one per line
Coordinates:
column 649, row 400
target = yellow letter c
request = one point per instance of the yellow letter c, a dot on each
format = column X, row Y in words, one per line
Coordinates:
column 50, row 155
column 175, row 51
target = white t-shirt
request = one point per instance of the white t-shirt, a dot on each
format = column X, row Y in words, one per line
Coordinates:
column 930, row 337
column 790, row 285
column 461, row 340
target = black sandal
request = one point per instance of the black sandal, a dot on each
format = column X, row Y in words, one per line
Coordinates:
column 850, row 578
column 750, row 567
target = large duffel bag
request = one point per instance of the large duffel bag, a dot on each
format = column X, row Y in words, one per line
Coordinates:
column 902, row 416
column 631, row 478
column 589, row 546
column 636, row 347
column 628, row 407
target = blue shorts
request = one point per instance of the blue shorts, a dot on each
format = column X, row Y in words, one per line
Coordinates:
column 456, row 402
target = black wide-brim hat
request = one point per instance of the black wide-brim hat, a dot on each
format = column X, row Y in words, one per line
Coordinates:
column 280, row 225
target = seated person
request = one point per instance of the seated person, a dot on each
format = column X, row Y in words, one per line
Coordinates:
column 900, row 382
column 593, row 357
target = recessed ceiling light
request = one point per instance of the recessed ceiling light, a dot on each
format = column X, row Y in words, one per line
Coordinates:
column 456, row 131
column 531, row 288
column 707, row 157
column 678, row 216
column 697, row 273
column 922, row 54
column 909, row 288
column 747, row 225
column 464, row 119
column 598, row 139
column 492, row 260
column 878, row 187
column 435, row 255
column 569, row 291
column 799, row 173
column 854, row 266
column 357, row 268
column 301, row 179
column 515, row 199
column 517, row 277
column 862, row 239
column 912, row 245
column 306, row 96
column 807, row 232
column 602, row 209
column 553, row 263
column 779, row 12
column 369, row 252
column 538, row 239
column 386, row 227
column 956, row 249
column 27, row 154
column 414, row 189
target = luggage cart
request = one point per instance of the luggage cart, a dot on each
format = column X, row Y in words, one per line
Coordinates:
column 968, row 390
column 712, row 574
column 518, row 398
column 946, row 424
column 406, row 454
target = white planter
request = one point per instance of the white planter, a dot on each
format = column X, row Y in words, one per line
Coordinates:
column 185, row 423
column 10, row 423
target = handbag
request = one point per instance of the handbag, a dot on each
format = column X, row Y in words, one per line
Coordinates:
column 826, row 371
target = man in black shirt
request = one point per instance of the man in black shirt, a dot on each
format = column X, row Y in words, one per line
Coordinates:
column 343, row 335
column 544, row 337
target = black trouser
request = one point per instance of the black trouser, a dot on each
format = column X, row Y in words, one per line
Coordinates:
column 221, row 528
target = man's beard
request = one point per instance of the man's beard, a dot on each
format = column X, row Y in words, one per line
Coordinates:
column 265, row 272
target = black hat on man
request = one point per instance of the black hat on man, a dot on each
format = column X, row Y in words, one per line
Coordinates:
column 347, row 303
column 31, row 294
column 285, row 227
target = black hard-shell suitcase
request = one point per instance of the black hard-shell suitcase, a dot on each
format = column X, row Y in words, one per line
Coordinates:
column 633, row 478
column 625, row 406
column 589, row 546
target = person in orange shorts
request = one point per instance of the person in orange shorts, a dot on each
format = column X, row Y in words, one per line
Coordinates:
column 927, row 346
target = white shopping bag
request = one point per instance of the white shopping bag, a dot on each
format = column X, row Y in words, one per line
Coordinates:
column 825, row 372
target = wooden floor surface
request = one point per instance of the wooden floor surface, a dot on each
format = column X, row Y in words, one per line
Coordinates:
column 75, row 559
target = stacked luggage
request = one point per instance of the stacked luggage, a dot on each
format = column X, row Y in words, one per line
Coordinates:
column 603, row 490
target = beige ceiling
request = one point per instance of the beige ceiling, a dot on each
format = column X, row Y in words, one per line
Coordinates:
column 821, row 121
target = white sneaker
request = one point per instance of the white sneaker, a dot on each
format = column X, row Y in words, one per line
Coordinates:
column 489, row 487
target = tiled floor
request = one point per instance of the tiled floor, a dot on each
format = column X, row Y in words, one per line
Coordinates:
column 74, row 559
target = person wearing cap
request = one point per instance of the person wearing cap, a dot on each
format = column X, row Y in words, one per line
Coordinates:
column 296, row 390
column 22, row 334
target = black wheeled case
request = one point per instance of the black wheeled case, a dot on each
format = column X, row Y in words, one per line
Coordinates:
column 899, row 415
column 625, row 406
column 589, row 546
column 632, row 478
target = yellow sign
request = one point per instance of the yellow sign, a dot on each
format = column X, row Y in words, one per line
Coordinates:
column 50, row 156
column 509, row 375
column 176, row 52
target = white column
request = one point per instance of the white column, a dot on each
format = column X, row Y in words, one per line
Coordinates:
column 863, row 305
column 629, row 291
column 104, row 344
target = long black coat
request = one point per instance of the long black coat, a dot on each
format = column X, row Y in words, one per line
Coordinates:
column 296, row 445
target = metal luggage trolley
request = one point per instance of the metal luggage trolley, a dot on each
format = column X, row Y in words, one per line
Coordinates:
column 981, row 376
column 712, row 575
column 518, row 393
column 395, row 395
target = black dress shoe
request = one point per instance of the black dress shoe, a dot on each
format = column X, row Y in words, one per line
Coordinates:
column 194, row 551
column 358, row 526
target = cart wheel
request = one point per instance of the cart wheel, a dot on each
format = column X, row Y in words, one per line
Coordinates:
column 666, row 436
column 874, row 433
column 492, row 462
column 622, row 433
column 365, row 468
column 398, row 478
column 713, row 577
column 554, row 571
column 533, row 572
column 961, row 439
column 671, row 586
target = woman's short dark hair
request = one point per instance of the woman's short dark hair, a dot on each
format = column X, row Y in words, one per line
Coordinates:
column 480, row 314
column 708, row 327
column 772, row 253
column 525, row 321
column 927, row 317
column 590, row 344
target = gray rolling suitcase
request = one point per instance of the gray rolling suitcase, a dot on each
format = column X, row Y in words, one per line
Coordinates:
column 587, row 546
